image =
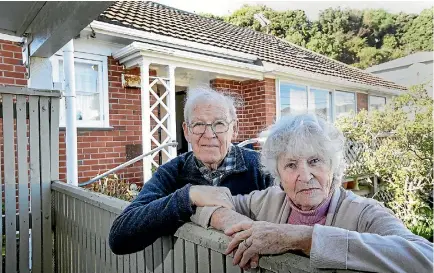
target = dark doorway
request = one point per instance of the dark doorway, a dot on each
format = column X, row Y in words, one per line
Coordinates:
column 182, row 142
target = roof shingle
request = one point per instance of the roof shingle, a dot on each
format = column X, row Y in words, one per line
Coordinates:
column 160, row 19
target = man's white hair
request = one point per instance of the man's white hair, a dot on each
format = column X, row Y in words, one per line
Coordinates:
column 207, row 95
column 301, row 136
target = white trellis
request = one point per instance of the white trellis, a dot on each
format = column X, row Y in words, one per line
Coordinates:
column 166, row 122
column 163, row 122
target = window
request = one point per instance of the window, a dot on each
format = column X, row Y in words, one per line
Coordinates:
column 91, row 87
column 293, row 99
column 320, row 103
column 298, row 99
column 345, row 103
column 376, row 103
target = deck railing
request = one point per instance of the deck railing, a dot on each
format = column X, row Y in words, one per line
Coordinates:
column 82, row 222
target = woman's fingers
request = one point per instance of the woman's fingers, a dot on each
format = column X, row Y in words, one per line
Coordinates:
column 237, row 239
column 248, row 254
column 238, row 227
column 254, row 261
column 239, row 253
column 244, row 253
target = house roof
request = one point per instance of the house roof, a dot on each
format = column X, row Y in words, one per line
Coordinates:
column 160, row 19
column 419, row 57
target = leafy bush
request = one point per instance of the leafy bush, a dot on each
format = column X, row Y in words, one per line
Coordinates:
column 117, row 187
column 403, row 160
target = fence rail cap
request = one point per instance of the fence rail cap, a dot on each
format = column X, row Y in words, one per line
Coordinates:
column 16, row 90
column 99, row 200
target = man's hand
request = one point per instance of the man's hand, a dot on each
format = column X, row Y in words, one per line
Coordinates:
column 208, row 196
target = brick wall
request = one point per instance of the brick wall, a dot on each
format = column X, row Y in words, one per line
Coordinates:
column 258, row 104
column 260, row 99
column 362, row 101
column 12, row 71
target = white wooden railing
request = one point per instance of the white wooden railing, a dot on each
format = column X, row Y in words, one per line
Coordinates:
column 82, row 222
column 29, row 136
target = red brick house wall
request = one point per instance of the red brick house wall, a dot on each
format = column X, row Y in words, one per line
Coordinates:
column 362, row 101
column 12, row 71
column 258, row 104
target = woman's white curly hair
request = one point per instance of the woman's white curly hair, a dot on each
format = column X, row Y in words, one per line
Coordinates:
column 302, row 136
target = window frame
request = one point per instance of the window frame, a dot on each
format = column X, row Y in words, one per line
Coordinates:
column 369, row 101
column 102, row 63
column 279, row 95
column 279, row 82
column 334, row 101
column 331, row 95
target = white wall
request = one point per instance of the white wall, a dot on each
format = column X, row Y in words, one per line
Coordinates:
column 416, row 73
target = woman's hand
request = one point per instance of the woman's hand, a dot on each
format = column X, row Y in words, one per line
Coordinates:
column 258, row 238
column 203, row 196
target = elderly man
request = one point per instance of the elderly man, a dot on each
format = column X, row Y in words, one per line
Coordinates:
column 171, row 196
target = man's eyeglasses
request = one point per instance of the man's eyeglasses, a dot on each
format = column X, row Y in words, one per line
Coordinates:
column 218, row 127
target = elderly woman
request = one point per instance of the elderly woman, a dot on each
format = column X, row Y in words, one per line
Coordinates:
column 170, row 197
column 310, row 212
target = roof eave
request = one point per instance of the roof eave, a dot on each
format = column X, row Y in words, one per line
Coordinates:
column 136, row 52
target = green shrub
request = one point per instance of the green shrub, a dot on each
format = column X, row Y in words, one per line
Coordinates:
column 403, row 160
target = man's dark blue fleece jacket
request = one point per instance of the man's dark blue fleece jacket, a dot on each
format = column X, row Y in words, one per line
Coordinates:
column 163, row 204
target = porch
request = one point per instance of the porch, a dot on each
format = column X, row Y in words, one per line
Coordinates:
column 68, row 226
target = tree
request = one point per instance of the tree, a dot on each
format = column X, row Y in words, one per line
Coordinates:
column 376, row 24
column 244, row 17
column 403, row 22
column 419, row 36
column 330, row 45
column 292, row 25
column 361, row 38
column 334, row 20
column 353, row 46
column 404, row 159
column 370, row 56
column 212, row 16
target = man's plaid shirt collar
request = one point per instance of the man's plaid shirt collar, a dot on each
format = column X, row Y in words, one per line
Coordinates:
column 214, row 176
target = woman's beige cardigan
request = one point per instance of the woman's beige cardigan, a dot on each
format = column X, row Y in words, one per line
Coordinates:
column 359, row 233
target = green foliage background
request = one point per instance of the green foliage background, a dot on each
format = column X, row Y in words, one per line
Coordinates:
column 361, row 38
column 398, row 147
